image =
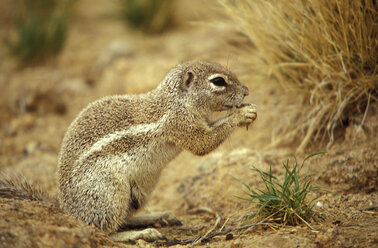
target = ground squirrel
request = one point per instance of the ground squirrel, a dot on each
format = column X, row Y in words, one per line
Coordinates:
column 114, row 151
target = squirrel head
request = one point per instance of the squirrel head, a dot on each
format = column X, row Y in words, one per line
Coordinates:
column 206, row 86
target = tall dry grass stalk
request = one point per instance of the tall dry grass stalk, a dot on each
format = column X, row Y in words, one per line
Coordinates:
column 328, row 50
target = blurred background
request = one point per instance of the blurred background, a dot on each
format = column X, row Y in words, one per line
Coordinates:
column 324, row 52
column 311, row 67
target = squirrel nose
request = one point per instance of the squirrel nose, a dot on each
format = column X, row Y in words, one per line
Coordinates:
column 246, row 91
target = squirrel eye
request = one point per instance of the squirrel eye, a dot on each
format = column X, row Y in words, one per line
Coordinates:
column 218, row 81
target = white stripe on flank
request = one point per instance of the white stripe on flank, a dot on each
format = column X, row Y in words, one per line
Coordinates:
column 131, row 131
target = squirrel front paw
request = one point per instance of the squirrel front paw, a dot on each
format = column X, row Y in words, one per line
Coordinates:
column 247, row 113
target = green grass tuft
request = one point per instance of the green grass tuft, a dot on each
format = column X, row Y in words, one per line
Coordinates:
column 40, row 30
column 284, row 201
column 149, row 16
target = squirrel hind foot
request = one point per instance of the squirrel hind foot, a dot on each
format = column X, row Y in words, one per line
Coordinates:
column 149, row 235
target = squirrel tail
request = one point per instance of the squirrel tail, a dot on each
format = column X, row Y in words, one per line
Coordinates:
column 21, row 189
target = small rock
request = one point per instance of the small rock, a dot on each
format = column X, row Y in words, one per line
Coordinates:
column 229, row 236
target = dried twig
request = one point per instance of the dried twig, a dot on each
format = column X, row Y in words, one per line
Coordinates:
column 224, row 224
column 369, row 208
column 210, row 235
column 218, row 219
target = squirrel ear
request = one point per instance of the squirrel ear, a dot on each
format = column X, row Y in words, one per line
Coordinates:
column 188, row 79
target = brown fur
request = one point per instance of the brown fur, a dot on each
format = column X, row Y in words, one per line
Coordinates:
column 114, row 151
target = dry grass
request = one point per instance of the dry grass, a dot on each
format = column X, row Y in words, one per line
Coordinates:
column 325, row 49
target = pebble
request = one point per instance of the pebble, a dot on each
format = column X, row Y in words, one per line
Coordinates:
column 229, row 236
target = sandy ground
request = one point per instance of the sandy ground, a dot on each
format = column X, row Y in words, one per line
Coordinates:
column 103, row 57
